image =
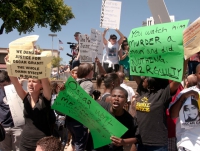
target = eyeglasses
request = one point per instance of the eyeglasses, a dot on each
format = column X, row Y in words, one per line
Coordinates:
column 113, row 38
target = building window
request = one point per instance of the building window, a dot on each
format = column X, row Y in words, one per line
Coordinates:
column 2, row 56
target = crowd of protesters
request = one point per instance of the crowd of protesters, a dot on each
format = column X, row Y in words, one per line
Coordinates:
column 151, row 112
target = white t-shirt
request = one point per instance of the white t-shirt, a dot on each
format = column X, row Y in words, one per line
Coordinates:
column 111, row 55
column 187, row 138
column 130, row 91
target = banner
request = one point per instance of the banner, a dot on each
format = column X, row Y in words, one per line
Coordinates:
column 191, row 39
column 96, row 44
column 110, row 14
column 157, row 51
column 16, row 105
column 86, row 55
column 76, row 103
column 23, row 62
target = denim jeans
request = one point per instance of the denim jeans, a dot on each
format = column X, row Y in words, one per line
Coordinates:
column 152, row 148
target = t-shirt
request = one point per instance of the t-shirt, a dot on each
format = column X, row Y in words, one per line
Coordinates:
column 5, row 114
column 151, row 117
column 87, row 85
column 187, row 138
column 111, row 55
column 38, row 122
column 129, row 90
column 127, row 120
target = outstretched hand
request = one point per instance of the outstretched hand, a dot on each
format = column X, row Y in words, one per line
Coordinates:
column 117, row 141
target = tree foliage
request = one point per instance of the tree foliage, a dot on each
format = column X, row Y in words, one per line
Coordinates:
column 55, row 62
column 23, row 15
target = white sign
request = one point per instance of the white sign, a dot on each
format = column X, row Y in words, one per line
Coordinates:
column 96, row 43
column 86, row 55
column 150, row 21
column 110, row 14
column 159, row 11
column 16, row 105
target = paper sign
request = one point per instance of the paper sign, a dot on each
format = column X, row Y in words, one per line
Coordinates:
column 189, row 114
column 110, row 14
column 86, row 55
column 76, row 103
column 16, row 105
column 96, row 43
column 157, row 51
column 23, row 62
column 159, row 11
column 191, row 39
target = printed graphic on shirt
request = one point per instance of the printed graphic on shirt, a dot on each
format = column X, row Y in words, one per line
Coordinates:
column 189, row 114
column 143, row 106
column 112, row 51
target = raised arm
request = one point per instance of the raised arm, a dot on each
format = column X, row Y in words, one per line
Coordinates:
column 121, row 37
column 104, row 39
column 46, row 88
column 101, row 69
column 121, row 55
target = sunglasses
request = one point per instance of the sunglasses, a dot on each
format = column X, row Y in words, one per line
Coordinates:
column 114, row 38
column 125, row 44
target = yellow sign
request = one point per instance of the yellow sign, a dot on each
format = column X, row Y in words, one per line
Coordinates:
column 23, row 62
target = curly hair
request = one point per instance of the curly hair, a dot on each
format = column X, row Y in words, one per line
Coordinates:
column 50, row 144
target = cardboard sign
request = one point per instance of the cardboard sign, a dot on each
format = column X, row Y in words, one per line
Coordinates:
column 86, row 55
column 159, row 11
column 96, row 43
column 23, row 62
column 76, row 103
column 110, row 14
column 16, row 105
column 157, row 51
column 191, row 39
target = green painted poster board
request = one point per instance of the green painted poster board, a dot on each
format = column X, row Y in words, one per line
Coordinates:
column 157, row 51
column 76, row 103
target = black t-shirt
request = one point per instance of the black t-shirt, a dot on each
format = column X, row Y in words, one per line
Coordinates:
column 5, row 114
column 127, row 120
column 38, row 122
column 151, row 116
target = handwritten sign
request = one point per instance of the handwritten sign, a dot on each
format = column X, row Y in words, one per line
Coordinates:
column 96, row 43
column 191, row 39
column 84, row 48
column 16, row 105
column 23, row 62
column 157, row 51
column 110, row 14
column 76, row 103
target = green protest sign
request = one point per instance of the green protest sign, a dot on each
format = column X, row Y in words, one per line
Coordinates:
column 157, row 51
column 76, row 103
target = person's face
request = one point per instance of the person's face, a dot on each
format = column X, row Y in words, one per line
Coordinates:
column 74, row 74
column 76, row 38
column 38, row 148
column 191, row 111
column 3, row 84
column 113, row 40
column 126, row 46
column 118, row 99
column 34, row 85
column 145, row 84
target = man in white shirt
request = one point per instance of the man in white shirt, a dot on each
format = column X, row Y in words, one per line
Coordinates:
column 187, row 133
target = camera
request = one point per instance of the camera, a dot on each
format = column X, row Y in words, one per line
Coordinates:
column 72, row 45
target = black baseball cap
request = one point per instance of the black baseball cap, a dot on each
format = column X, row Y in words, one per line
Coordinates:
column 77, row 33
column 113, row 36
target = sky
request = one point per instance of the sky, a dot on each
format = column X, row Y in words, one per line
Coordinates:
column 87, row 16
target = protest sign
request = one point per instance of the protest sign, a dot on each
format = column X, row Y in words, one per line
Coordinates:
column 157, row 51
column 16, row 105
column 76, row 103
column 191, row 39
column 23, row 62
column 189, row 113
column 159, row 11
column 86, row 55
column 110, row 14
column 96, row 43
